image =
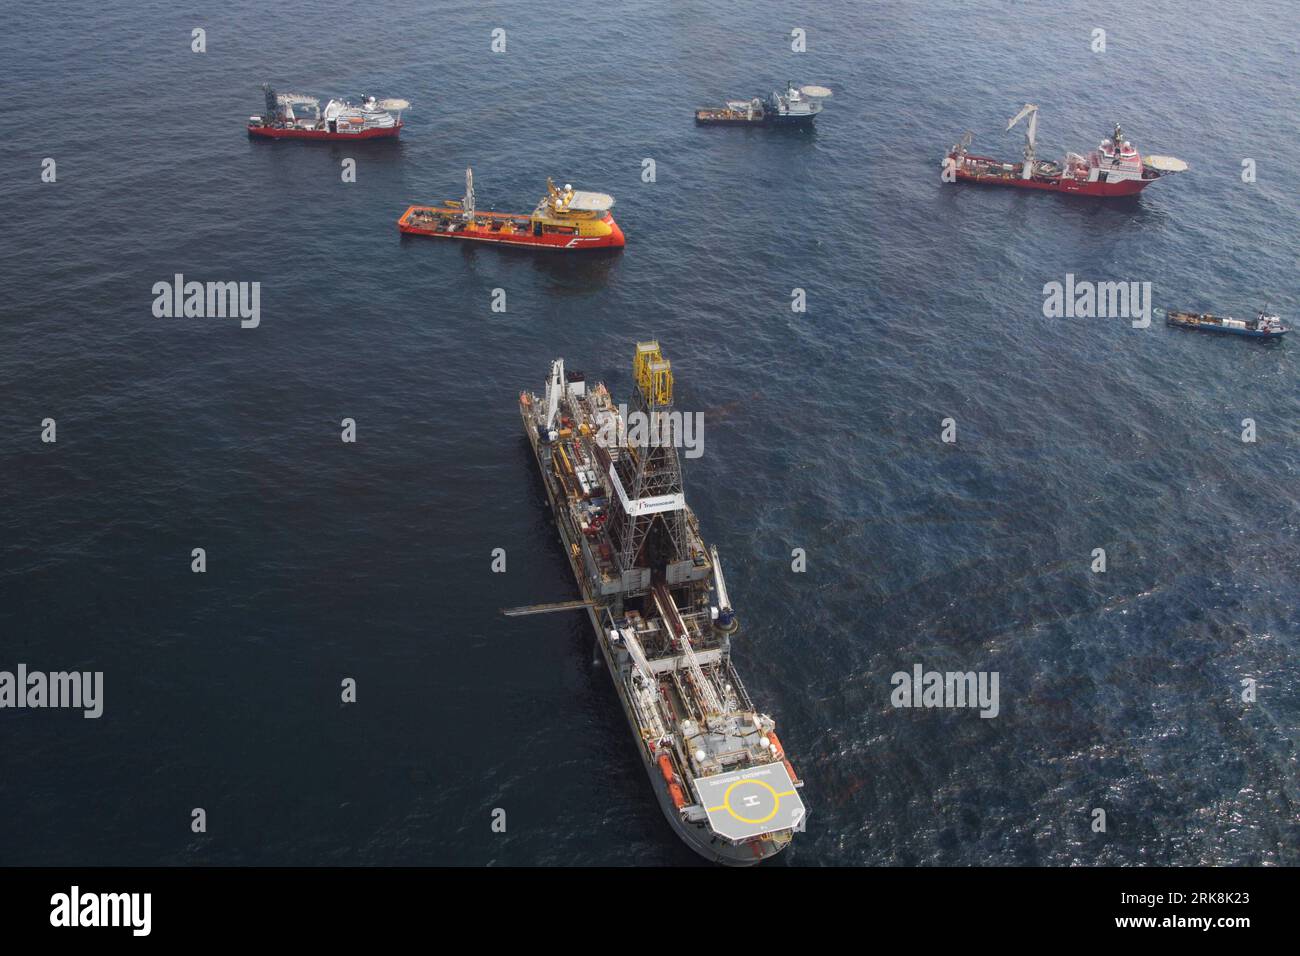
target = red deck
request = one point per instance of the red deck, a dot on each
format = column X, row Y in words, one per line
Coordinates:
column 271, row 132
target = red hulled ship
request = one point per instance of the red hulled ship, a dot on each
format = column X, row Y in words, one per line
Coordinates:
column 298, row 116
column 1114, row 168
column 564, row 219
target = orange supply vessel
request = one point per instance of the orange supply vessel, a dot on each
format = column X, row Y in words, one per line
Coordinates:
column 564, row 219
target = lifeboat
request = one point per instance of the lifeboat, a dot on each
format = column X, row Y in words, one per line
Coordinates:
column 780, row 753
column 670, row 778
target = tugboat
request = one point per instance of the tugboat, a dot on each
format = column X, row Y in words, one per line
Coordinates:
column 1263, row 326
column 794, row 107
column 298, row 116
column 661, row 611
column 1114, row 168
column 564, row 219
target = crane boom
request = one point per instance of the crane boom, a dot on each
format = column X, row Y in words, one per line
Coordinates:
column 725, row 614
column 636, row 652
column 467, row 204
column 1030, row 110
column 554, row 389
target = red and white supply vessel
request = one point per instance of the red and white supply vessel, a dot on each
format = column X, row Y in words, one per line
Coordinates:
column 1114, row 168
column 298, row 116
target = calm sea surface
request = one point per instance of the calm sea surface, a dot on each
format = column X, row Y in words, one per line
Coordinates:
column 371, row 560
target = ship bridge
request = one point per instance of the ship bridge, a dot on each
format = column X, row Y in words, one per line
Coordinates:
column 748, row 803
column 570, row 202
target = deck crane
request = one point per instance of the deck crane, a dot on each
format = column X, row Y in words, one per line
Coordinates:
column 1031, row 111
column 959, row 149
column 554, row 389
column 642, row 684
column 726, row 619
column 635, row 651
column 467, row 204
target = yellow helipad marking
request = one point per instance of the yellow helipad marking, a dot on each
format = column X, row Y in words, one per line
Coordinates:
column 726, row 801
column 783, row 793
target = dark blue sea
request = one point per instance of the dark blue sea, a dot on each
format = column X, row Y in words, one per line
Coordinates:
column 1120, row 691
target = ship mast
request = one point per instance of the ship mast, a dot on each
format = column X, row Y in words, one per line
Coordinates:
column 1031, row 111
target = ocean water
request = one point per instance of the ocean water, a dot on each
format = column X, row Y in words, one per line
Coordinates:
column 1120, row 691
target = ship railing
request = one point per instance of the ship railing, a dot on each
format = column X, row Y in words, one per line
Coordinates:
column 695, row 622
column 738, row 687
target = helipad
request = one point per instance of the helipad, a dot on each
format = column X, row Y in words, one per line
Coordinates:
column 746, row 803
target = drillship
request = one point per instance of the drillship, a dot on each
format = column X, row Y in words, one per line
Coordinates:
column 298, row 116
column 1115, row 168
column 564, row 219
column 661, row 612
column 794, row 107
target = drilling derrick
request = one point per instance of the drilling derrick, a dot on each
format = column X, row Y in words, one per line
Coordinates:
column 649, row 530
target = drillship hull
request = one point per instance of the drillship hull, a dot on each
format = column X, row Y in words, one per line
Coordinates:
column 1124, row 187
column 489, row 229
column 374, row 132
column 696, row 836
